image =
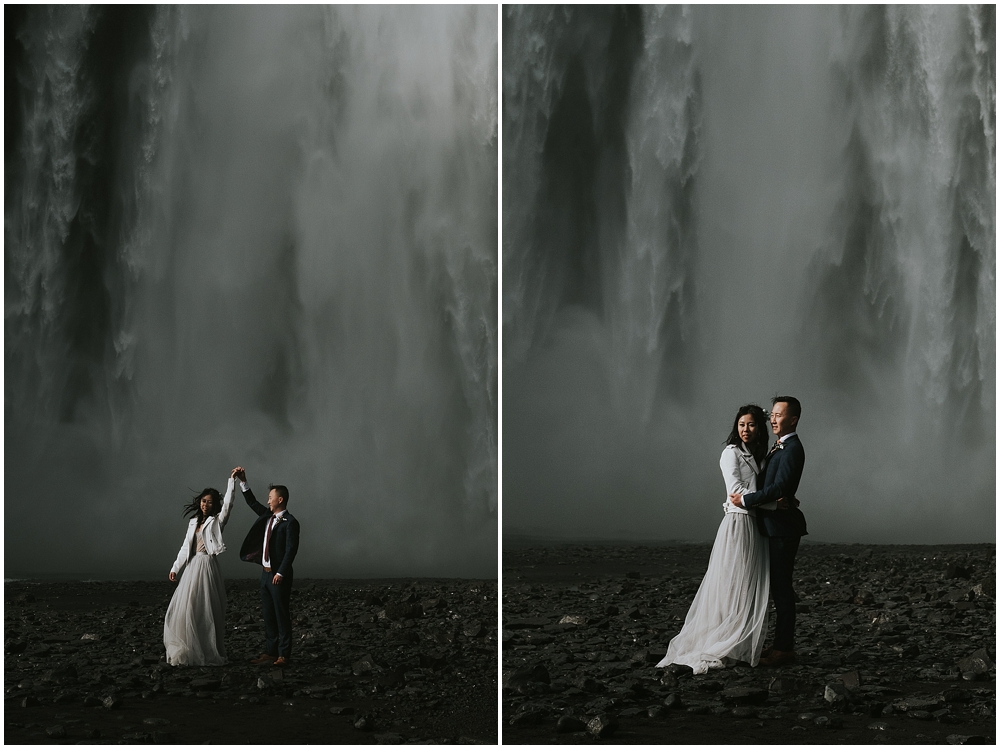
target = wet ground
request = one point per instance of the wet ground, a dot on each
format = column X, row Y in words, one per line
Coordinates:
column 896, row 645
column 393, row 661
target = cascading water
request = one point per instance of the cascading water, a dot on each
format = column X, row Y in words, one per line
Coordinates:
column 263, row 236
column 709, row 206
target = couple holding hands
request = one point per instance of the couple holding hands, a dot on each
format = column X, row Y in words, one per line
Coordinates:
column 753, row 557
column 754, row 551
column 194, row 627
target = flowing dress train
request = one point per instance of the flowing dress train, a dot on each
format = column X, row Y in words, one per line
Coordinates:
column 195, row 624
column 728, row 615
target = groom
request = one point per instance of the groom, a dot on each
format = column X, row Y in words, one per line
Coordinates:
column 783, row 527
column 272, row 543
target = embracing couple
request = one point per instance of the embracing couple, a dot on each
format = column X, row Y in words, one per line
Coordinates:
column 195, row 624
column 754, row 552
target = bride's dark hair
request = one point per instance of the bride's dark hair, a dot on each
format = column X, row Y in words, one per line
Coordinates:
column 193, row 509
column 758, row 445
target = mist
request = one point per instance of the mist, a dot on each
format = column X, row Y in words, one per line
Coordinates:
column 710, row 206
column 262, row 236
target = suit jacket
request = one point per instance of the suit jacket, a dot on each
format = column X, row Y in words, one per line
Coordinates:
column 782, row 472
column 284, row 538
column 211, row 533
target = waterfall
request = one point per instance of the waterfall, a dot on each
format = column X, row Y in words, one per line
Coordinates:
column 756, row 201
column 263, row 236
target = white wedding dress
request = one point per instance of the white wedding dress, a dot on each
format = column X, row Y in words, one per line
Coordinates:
column 195, row 624
column 728, row 615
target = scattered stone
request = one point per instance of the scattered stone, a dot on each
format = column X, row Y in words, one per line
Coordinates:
column 474, row 629
column 570, row 724
column 673, row 702
column 365, row 723
column 955, row 571
column 526, row 674
column 786, row 685
column 364, row 665
column 956, row 738
column 879, row 725
column 602, row 726
column 851, row 679
column 835, row 693
column 56, row 732
column 528, row 717
column 910, row 704
column 979, row 662
column 745, row 695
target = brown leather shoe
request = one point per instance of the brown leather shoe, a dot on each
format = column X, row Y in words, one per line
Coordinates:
column 281, row 661
column 766, row 652
column 778, row 658
column 262, row 660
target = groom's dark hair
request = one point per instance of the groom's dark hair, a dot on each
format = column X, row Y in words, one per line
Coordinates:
column 281, row 490
column 794, row 407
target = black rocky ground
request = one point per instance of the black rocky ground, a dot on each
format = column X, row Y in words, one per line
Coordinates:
column 895, row 645
column 398, row 661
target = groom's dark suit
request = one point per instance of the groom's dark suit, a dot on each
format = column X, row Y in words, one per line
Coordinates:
column 282, row 547
column 782, row 472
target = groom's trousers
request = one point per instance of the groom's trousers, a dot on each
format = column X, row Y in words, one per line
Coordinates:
column 275, row 602
column 783, row 550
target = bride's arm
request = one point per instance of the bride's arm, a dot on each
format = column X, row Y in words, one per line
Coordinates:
column 182, row 555
column 730, row 465
column 227, row 503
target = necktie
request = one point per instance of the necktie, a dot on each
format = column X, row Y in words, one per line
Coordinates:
column 267, row 542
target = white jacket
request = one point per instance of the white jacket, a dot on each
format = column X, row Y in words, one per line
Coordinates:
column 211, row 532
column 740, row 471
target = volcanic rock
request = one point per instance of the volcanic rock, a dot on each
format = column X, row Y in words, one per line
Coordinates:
column 979, row 662
column 570, row 724
column 602, row 726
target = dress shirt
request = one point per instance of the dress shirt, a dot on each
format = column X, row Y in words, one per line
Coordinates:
column 273, row 521
column 265, row 559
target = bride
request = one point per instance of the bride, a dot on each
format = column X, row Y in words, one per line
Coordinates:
column 194, row 627
column 729, row 611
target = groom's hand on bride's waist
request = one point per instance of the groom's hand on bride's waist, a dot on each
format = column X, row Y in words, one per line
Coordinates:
column 736, row 499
